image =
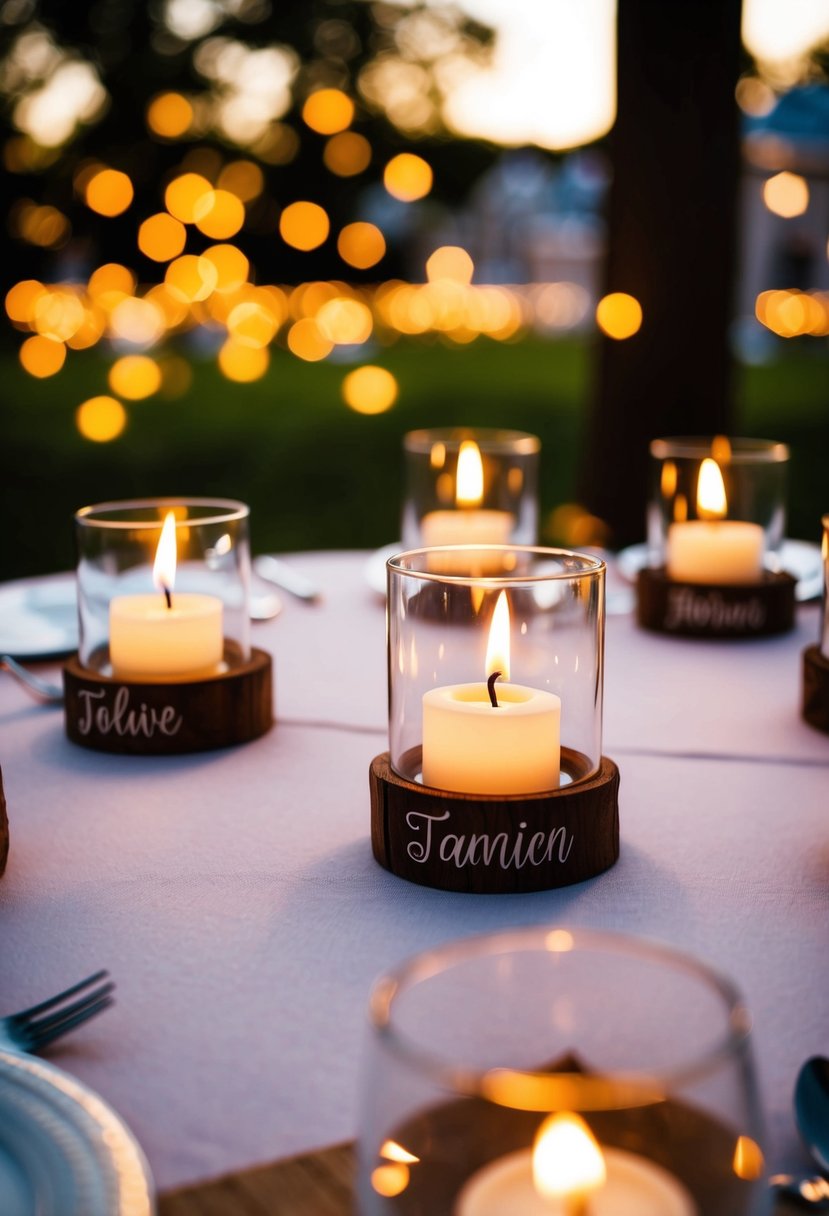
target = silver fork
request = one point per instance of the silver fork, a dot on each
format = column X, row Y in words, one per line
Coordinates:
column 32, row 1029
column 50, row 693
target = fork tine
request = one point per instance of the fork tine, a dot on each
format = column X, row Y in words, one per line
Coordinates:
column 36, row 1025
column 40, row 1039
column 33, row 1010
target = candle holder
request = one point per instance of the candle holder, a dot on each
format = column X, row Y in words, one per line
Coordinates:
column 816, row 658
column 550, row 1070
column 716, row 523
column 165, row 664
column 495, row 780
column 468, row 486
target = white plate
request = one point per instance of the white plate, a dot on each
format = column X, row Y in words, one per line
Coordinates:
column 799, row 557
column 39, row 617
column 375, row 567
column 63, row 1151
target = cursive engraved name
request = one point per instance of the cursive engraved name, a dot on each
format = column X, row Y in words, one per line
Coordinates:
column 121, row 718
column 472, row 850
column 708, row 610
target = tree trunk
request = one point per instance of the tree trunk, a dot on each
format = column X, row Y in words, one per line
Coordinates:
column 672, row 245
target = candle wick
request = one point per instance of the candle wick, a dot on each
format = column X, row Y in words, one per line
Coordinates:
column 168, row 597
column 490, row 687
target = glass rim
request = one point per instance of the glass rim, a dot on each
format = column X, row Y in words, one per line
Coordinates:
column 489, row 439
column 593, row 565
column 225, row 510
column 488, row 1083
column 743, row 450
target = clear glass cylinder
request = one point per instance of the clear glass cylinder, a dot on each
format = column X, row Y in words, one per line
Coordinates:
column 546, row 1070
column 467, row 486
column 536, row 616
column 129, row 626
column 824, row 551
column 716, row 508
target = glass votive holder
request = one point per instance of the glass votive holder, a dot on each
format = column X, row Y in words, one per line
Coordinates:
column 549, row 1070
column 815, row 703
column 716, row 524
column 495, row 779
column 467, row 486
column 164, row 604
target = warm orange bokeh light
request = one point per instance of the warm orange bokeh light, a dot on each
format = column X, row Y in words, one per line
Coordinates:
column 137, row 320
column 407, row 177
column 345, row 322
column 347, row 154
column 43, row 226
column 786, row 194
column 219, row 214
column 252, row 324
column 390, row 1180
column 109, row 192
column 328, row 111
column 161, row 237
column 243, row 364
column 304, row 225
column 184, row 195
column 42, row 357
column 450, row 262
column 135, row 377
column 619, row 315
column 58, row 314
column 169, row 115
column 361, row 245
column 110, row 282
column 243, row 178
column 90, row 331
column 370, row 390
column 306, row 342
column 21, row 300
column 101, row 419
column 231, row 266
column 191, row 278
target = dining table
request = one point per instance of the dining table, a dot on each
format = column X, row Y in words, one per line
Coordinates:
column 234, row 898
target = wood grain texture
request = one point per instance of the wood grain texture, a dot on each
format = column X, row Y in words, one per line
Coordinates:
column 701, row 611
column 315, row 1184
column 162, row 719
column 4, row 828
column 816, row 688
column 495, row 845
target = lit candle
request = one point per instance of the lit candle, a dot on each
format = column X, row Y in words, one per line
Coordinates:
column 481, row 740
column 566, row 1173
column 162, row 636
column 469, row 523
column 713, row 549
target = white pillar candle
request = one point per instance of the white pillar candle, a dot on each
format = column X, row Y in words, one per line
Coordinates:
column 725, row 552
column 148, row 640
column 473, row 747
column 162, row 636
column 634, row 1186
column 466, row 527
column 469, row 523
column 713, row 549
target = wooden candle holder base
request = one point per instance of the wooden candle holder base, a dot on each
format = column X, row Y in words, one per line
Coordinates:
column 494, row 844
column 816, row 688
column 700, row 610
column 144, row 719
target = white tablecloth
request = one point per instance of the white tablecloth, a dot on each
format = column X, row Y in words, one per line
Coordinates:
column 235, row 899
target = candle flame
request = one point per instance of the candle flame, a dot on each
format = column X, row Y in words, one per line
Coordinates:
column 469, row 488
column 721, row 449
column 711, row 500
column 164, row 567
column 567, row 1160
column 497, row 651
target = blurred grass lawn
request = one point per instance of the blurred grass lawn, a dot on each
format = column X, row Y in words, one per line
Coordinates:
column 316, row 474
